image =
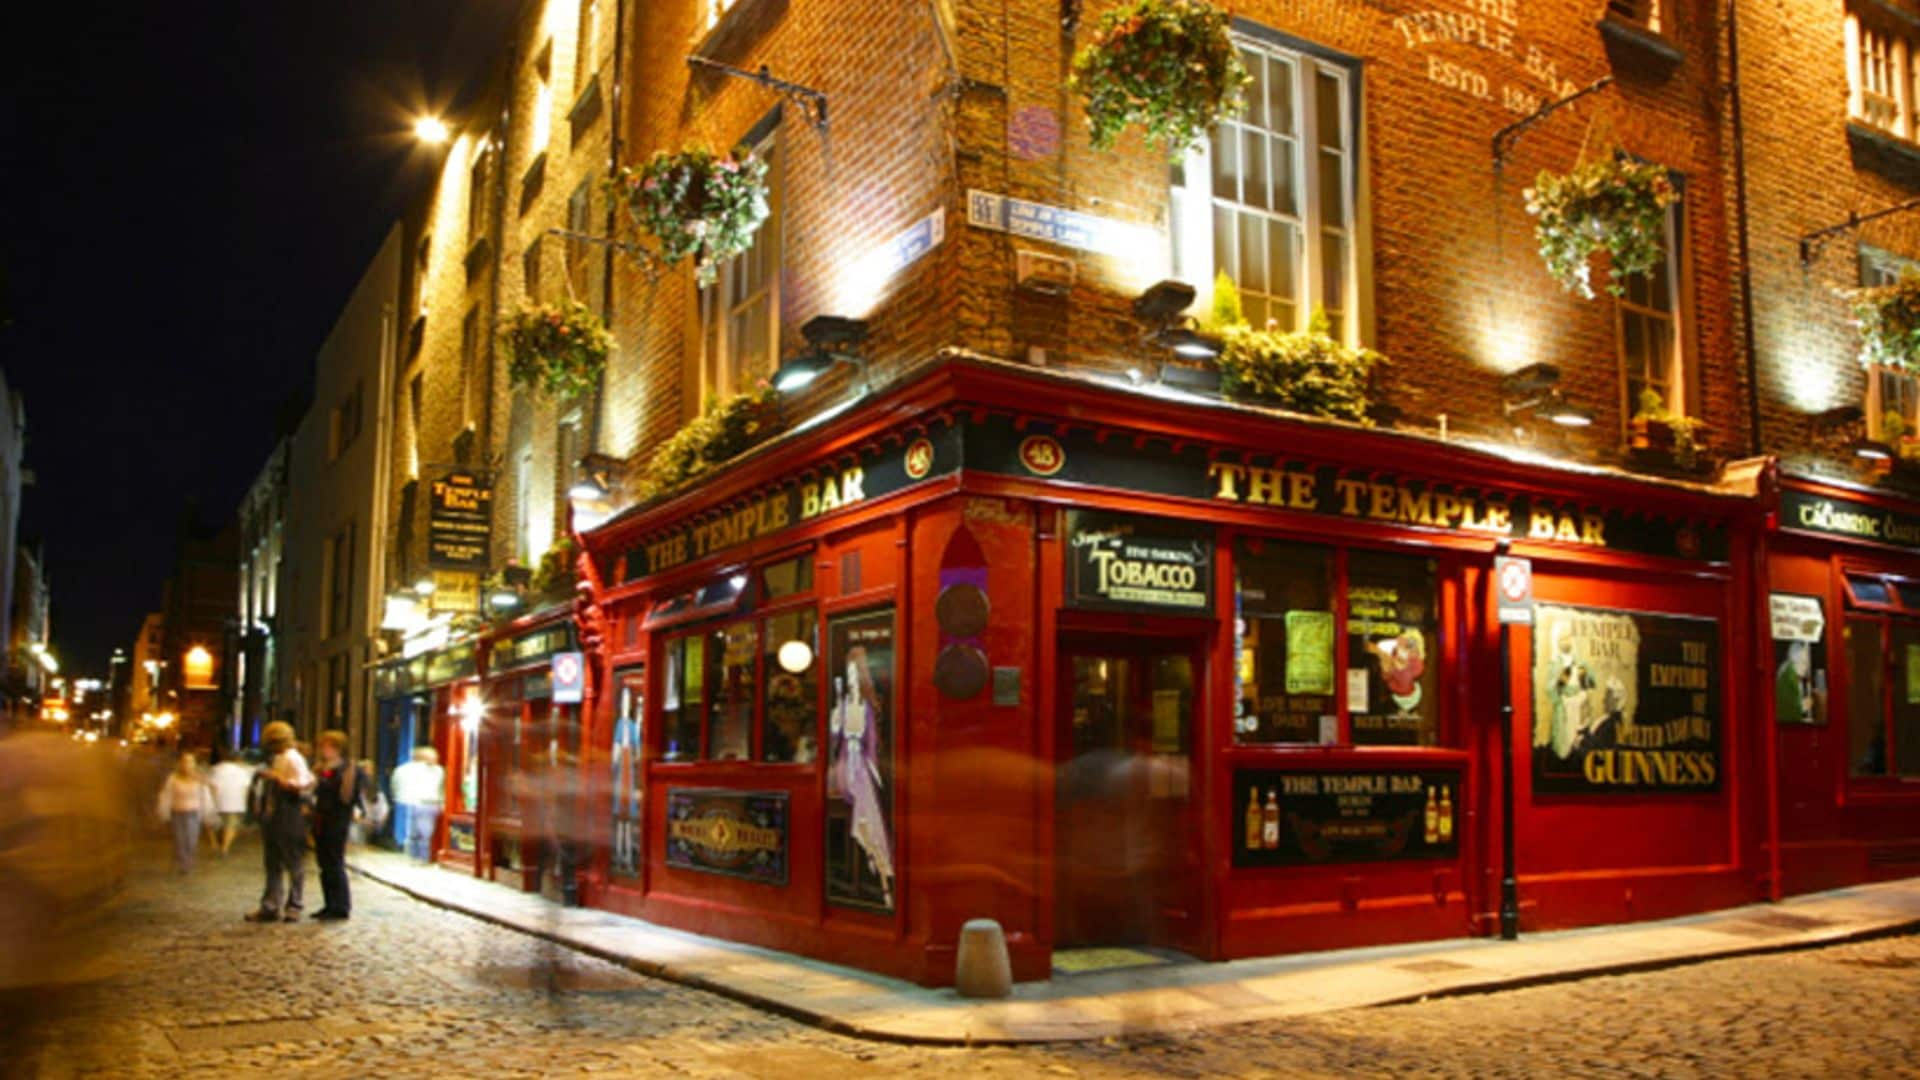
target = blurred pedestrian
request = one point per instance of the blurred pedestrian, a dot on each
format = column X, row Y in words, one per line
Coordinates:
column 229, row 778
column 334, row 795
column 184, row 798
column 370, row 806
column 420, row 786
column 277, row 800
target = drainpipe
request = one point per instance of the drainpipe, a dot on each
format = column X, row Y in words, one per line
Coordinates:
column 1740, row 217
column 499, row 244
column 614, row 147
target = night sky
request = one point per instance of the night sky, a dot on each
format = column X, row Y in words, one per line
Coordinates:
column 191, row 191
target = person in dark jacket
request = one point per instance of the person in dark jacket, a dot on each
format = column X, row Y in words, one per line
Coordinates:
column 335, row 790
column 282, row 786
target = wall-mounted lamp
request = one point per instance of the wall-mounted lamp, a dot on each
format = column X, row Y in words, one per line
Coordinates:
column 1536, row 389
column 1162, row 307
column 831, row 340
column 1870, row 450
column 1840, row 418
column 595, row 482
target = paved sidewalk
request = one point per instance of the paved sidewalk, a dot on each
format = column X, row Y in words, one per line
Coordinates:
column 1161, row 999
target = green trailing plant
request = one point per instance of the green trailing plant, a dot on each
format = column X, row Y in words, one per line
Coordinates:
column 1683, row 432
column 560, row 349
column 724, row 430
column 696, row 204
column 554, row 576
column 1889, row 321
column 1165, row 66
column 1308, row 371
column 1225, row 311
column 1612, row 204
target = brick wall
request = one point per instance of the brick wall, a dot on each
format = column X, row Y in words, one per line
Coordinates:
column 1805, row 172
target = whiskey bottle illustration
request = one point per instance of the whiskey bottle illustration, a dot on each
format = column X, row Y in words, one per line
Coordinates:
column 1255, row 830
column 1446, row 814
column 1270, row 822
column 1433, row 816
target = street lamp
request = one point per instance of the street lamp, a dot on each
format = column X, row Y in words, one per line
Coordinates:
column 430, row 130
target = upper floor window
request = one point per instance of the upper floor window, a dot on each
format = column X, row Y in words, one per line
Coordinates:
column 1649, row 317
column 586, row 43
column 1893, row 394
column 340, row 581
column 470, row 389
column 343, row 423
column 542, row 103
column 1269, row 198
column 1883, row 77
column 578, row 252
column 523, row 505
column 530, row 271
column 477, row 176
column 741, row 309
column 1642, row 13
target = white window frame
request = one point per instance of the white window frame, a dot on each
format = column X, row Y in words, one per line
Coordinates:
column 1194, row 201
column 542, row 133
column 586, row 43
column 714, row 11
column 1883, row 75
column 1678, row 393
column 722, row 370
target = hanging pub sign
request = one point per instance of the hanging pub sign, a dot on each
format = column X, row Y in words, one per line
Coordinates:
column 1079, row 455
column 459, row 521
column 1289, row 817
column 736, row 833
column 1117, row 562
column 1799, row 625
column 1624, row 702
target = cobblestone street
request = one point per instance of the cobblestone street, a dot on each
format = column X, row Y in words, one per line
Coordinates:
column 406, row 989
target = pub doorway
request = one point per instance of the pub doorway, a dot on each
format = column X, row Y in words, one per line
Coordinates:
column 1128, row 867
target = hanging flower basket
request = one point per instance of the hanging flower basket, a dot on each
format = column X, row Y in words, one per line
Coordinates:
column 557, row 348
column 1889, row 320
column 1167, row 66
column 1613, row 204
column 724, row 431
column 697, row 204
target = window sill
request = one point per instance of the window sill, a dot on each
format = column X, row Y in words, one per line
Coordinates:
column 1884, row 152
column 586, row 108
column 744, row 23
column 1634, row 41
column 416, row 336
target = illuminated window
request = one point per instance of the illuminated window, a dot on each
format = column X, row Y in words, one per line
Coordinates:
column 1648, row 322
column 542, row 102
column 1268, row 198
column 715, row 11
column 1893, row 394
column 198, row 668
column 1882, row 640
column 586, row 44
column 1883, row 77
column 579, row 252
column 1644, row 13
column 743, row 304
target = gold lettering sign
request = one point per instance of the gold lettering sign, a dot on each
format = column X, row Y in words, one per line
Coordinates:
column 1398, row 503
column 764, row 516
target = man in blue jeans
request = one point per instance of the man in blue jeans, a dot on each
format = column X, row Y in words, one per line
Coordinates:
column 419, row 787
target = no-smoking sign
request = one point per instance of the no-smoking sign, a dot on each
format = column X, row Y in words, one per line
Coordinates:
column 1513, row 588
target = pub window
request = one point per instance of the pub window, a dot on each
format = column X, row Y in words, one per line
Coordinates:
column 735, row 650
column 792, row 696
column 1883, row 676
column 628, row 807
column 1268, row 199
column 1298, row 684
column 682, row 698
column 1653, row 361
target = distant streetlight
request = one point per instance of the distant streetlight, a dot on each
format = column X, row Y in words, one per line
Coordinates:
column 430, row 129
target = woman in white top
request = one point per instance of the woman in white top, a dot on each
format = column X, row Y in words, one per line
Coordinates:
column 182, row 799
column 229, row 780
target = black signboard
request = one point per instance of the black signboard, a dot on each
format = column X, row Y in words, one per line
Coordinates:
column 450, row 663
column 1624, row 702
column 1190, row 470
column 1806, row 512
column 1121, row 563
column 459, row 521
column 1291, row 817
column 736, row 833
column 822, row 489
column 533, row 646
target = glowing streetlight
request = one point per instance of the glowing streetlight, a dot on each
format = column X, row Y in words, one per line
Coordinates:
column 431, row 130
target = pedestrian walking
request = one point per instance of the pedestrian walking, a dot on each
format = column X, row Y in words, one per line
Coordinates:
column 229, row 778
column 184, row 798
column 277, row 800
column 370, row 807
column 334, row 795
column 420, row 788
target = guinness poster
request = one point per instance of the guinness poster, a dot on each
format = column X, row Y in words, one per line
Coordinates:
column 1624, row 702
column 1121, row 563
column 736, row 833
column 1286, row 818
column 459, row 521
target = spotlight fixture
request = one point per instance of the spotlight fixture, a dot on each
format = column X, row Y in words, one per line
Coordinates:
column 831, row 340
column 596, row 478
column 1530, row 381
column 1163, row 301
column 1870, row 450
column 1551, row 405
column 1189, row 343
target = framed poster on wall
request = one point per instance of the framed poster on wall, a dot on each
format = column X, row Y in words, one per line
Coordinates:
column 860, row 734
column 1799, row 627
column 1624, row 701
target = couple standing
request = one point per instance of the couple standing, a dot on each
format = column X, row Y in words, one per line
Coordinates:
column 279, row 802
